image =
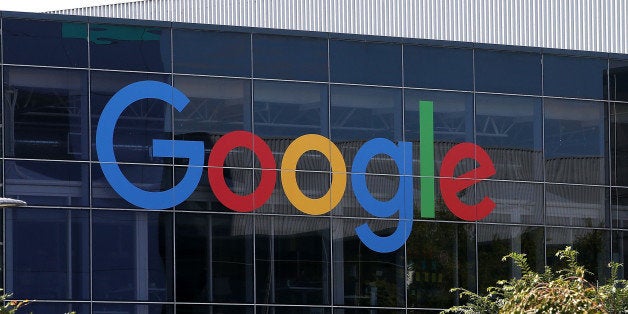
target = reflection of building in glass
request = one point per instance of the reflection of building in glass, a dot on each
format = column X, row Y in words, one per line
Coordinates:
column 552, row 121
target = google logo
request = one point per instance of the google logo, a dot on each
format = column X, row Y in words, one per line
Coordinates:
column 401, row 154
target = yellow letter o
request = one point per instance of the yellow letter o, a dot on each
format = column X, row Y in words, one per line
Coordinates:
column 324, row 204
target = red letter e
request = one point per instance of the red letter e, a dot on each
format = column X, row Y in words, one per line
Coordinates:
column 450, row 185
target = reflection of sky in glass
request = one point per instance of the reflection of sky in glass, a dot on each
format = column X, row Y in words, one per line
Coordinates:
column 574, row 128
column 508, row 122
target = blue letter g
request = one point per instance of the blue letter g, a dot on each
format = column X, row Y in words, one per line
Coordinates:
column 161, row 148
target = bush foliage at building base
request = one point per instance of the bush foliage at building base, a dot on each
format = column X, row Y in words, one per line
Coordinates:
column 563, row 291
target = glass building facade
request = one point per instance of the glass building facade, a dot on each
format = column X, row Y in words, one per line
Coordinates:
column 554, row 122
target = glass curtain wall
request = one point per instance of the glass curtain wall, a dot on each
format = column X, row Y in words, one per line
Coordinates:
column 554, row 123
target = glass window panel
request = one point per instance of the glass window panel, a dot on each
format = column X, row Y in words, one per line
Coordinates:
column 363, row 277
column 440, row 256
column 620, row 251
column 619, row 143
column 619, row 207
column 508, row 72
column 593, row 246
column 292, row 260
column 214, row 309
column 45, row 113
column 359, row 114
column 47, row 183
column 148, row 178
column 618, row 76
column 143, row 48
column 139, row 124
column 453, row 124
column 497, row 241
column 381, row 187
column 576, row 205
column 283, row 111
column 575, row 141
column 574, row 77
column 514, row 202
column 208, row 52
column 239, row 181
column 510, row 129
column 132, row 256
column 217, row 106
column 56, row 307
column 44, row 42
column 441, row 211
column 438, row 67
column 291, row 58
column 364, row 62
column 312, row 184
column 214, row 258
column 132, row 308
column 293, row 309
column 47, row 246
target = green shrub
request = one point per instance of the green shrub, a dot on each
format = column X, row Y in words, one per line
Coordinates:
column 563, row 291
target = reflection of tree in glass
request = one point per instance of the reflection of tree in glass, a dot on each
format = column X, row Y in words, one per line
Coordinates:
column 529, row 239
column 439, row 255
column 590, row 246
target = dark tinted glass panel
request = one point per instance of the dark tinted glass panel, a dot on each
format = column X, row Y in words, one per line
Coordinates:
column 292, row 260
column 47, row 183
column 139, row 124
column 44, row 42
column 576, row 205
column 441, row 256
column 618, row 76
column 57, row 307
column 619, row 208
column 293, row 309
column 453, row 115
column 592, row 245
column 620, row 251
column 132, row 256
column 239, row 181
column 217, row 309
column 214, row 258
column 133, row 308
column 365, row 62
column 143, row 48
column 575, row 141
column 363, row 277
column 437, row 67
column 441, row 211
column 311, row 184
column 148, row 178
column 508, row 72
column 381, row 187
column 45, row 113
column 217, row 53
column 574, row 77
column 359, row 114
column 510, row 129
column 283, row 111
column 453, row 124
column 217, row 106
column 292, row 58
column 619, row 143
column 47, row 246
column 514, row 202
column 496, row 241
